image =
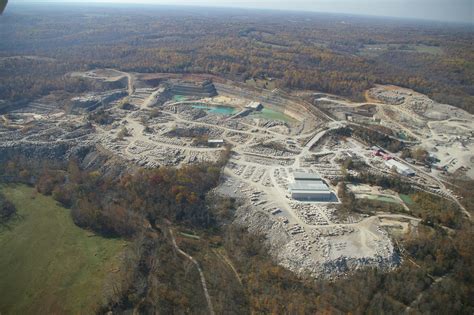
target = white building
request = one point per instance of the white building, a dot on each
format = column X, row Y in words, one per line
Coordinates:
column 309, row 186
column 256, row 106
column 401, row 168
column 215, row 142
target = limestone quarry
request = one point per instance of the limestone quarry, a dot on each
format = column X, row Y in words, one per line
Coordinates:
column 174, row 120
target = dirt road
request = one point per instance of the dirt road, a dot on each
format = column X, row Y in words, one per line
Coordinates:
column 201, row 274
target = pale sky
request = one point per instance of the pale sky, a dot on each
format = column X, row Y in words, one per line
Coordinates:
column 442, row 10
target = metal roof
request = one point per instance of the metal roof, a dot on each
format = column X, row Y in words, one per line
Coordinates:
column 401, row 168
column 306, row 176
column 254, row 105
column 316, row 186
column 310, row 192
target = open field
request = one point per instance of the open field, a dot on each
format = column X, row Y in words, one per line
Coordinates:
column 383, row 198
column 377, row 49
column 49, row 265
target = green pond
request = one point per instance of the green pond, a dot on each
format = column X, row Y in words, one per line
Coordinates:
column 273, row 115
column 219, row 110
column 227, row 110
column 402, row 135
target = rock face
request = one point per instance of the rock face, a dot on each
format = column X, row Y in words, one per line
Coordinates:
column 90, row 102
column 203, row 89
column 392, row 97
column 57, row 140
column 89, row 156
column 6, row 107
column 34, row 151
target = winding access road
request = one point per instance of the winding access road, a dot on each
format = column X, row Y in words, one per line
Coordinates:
column 201, row 274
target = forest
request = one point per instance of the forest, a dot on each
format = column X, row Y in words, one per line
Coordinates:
column 296, row 50
column 120, row 207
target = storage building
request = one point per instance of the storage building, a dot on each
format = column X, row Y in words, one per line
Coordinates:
column 401, row 168
column 215, row 142
column 256, row 106
column 309, row 186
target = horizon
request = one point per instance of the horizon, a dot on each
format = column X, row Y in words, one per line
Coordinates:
column 459, row 12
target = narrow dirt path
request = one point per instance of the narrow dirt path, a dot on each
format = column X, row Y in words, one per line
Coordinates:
column 201, row 274
column 227, row 261
column 420, row 295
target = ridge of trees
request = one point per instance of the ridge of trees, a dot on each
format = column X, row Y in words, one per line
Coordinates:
column 312, row 53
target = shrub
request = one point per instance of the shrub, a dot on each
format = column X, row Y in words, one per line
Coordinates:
column 7, row 209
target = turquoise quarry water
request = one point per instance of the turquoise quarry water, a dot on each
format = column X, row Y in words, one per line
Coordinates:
column 179, row 98
column 219, row 110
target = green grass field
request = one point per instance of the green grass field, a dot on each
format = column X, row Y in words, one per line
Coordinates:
column 380, row 198
column 48, row 265
column 406, row 199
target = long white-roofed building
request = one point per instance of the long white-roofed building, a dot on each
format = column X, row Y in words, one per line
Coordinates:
column 310, row 187
column 254, row 106
column 401, row 168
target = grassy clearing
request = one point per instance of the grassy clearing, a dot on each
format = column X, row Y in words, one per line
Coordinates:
column 49, row 265
column 377, row 49
column 406, row 199
column 382, row 198
column 190, row 235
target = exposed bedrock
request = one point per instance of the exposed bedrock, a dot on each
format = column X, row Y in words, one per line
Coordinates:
column 89, row 156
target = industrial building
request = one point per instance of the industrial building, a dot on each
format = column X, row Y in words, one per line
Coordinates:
column 401, row 168
column 309, row 186
column 251, row 107
column 256, row 106
column 215, row 142
column 353, row 117
column 379, row 152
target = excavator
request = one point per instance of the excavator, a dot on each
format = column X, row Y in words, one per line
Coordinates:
column 3, row 5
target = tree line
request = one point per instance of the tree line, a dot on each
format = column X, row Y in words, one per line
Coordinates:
column 316, row 53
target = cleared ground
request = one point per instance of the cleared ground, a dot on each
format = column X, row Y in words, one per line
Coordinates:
column 48, row 265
